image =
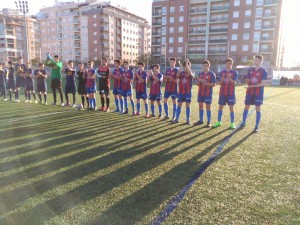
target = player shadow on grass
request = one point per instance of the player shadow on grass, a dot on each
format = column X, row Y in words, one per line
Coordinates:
column 61, row 203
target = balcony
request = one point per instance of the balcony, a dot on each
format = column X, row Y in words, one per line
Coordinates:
column 267, row 39
column 76, row 29
column 218, row 41
column 70, row 14
column 156, row 43
column 197, row 42
column 197, row 31
column 156, row 33
column 219, row 30
column 197, row 21
column 104, row 28
column 270, row 15
column 219, row 20
column 156, row 53
column 270, row 2
column 77, row 53
column 156, row 13
column 268, row 27
column 198, row 10
column 76, row 21
column 196, row 52
column 106, row 37
column 217, row 52
column 219, row 8
column 76, row 37
column 77, row 45
column 156, row 23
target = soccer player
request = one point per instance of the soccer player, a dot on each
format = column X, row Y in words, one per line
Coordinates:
column 2, row 82
column 170, row 88
column 127, row 79
column 41, row 86
column 140, row 79
column 29, row 84
column 91, row 85
column 11, row 83
column 70, row 86
column 20, row 69
column 206, row 82
column 156, row 79
column 255, row 90
column 117, row 91
column 82, row 84
column 185, row 76
column 56, row 82
column 104, row 84
column 227, row 79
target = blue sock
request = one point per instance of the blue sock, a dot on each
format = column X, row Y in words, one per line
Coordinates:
column 117, row 103
column 152, row 109
column 166, row 109
column 220, row 113
column 91, row 102
column 231, row 117
column 125, row 103
column 121, row 104
column 174, row 110
column 188, row 113
column 208, row 113
column 146, row 108
column 178, row 111
column 132, row 105
column 258, row 116
column 94, row 102
column 160, row 109
column 201, row 115
column 138, row 107
column 245, row 114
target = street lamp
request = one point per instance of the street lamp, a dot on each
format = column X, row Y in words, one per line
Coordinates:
column 22, row 7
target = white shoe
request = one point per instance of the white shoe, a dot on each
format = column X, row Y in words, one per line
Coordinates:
column 18, row 100
column 35, row 101
column 62, row 104
column 46, row 103
column 5, row 99
column 73, row 105
column 26, row 100
column 30, row 101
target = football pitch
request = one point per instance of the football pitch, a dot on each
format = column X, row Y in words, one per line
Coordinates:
column 59, row 165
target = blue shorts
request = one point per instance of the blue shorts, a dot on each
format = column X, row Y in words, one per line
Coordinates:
column 126, row 93
column 254, row 100
column 70, row 88
column 41, row 88
column 206, row 99
column 185, row 98
column 172, row 94
column 155, row 97
column 229, row 99
column 90, row 90
column 141, row 95
column 29, row 86
column 20, row 81
column 117, row 91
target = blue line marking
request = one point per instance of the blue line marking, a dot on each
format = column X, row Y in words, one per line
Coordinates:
column 172, row 204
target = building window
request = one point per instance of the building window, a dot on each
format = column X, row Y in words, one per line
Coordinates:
column 95, row 42
column 236, row 14
column 181, row 8
column 246, row 36
column 163, row 40
column 259, row 2
column 171, row 19
column 247, row 13
column 163, row 30
column 95, row 33
column 255, row 48
column 94, row 16
column 179, row 49
column 248, row 2
column 258, row 12
column 257, row 24
column 180, row 29
column 235, row 26
column 236, row 2
column 171, row 29
column 171, row 50
column 94, row 24
column 247, row 25
column 180, row 39
column 172, row 9
column 245, row 48
column 233, row 48
column 171, row 40
column 234, row 37
column 163, row 20
column 164, row 10
column 181, row 19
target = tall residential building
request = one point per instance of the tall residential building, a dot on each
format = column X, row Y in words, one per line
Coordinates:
column 93, row 30
column 12, row 32
column 216, row 29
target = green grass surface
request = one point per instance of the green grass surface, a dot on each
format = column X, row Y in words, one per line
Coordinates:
column 61, row 166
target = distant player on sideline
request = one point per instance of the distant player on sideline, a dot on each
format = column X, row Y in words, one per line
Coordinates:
column 20, row 69
column 156, row 79
column 185, row 76
column 104, row 85
column 41, row 86
column 56, row 82
column 117, row 91
column 255, row 90
column 170, row 88
column 140, row 78
column 227, row 79
column 206, row 82
column 29, row 84
column 11, row 82
column 82, row 84
column 2, row 82
column 70, row 86
column 127, row 79
column 91, row 85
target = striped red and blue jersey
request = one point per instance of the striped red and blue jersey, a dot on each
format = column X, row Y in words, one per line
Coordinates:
column 206, row 91
column 155, row 87
column 104, row 72
column 90, row 78
column 185, row 83
column 118, row 73
column 227, row 88
column 127, row 80
column 171, row 86
column 141, row 86
column 255, row 77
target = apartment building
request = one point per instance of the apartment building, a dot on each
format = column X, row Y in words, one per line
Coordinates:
column 93, row 30
column 12, row 36
column 216, row 29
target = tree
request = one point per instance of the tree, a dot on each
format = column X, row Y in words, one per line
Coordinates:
column 147, row 59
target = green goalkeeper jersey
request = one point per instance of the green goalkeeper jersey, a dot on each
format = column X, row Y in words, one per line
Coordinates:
column 56, row 68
